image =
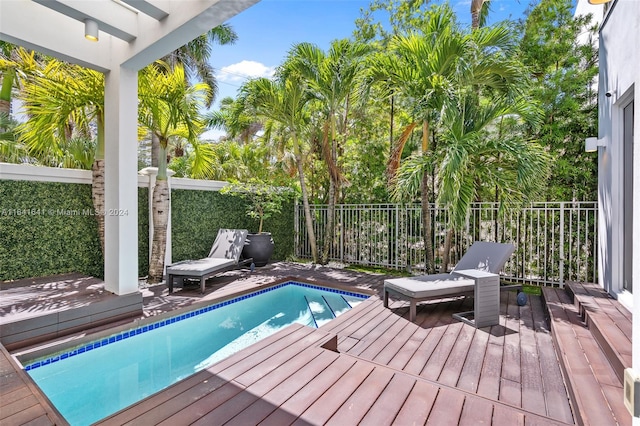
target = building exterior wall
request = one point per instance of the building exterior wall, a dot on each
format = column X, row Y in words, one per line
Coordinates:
column 619, row 58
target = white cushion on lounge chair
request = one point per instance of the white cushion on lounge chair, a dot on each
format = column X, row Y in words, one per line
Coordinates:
column 201, row 266
column 430, row 285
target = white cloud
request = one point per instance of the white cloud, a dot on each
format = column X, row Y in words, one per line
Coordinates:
column 243, row 70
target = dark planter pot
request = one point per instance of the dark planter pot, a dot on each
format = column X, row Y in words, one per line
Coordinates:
column 260, row 247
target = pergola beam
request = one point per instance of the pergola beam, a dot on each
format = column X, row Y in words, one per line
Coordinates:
column 148, row 8
column 112, row 18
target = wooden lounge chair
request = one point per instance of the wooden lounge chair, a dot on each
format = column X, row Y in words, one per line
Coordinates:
column 224, row 255
column 476, row 273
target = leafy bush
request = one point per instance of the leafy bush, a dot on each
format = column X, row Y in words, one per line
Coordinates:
column 262, row 201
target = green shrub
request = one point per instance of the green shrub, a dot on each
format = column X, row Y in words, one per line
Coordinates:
column 46, row 229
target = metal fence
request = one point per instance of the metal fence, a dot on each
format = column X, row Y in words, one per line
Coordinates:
column 554, row 242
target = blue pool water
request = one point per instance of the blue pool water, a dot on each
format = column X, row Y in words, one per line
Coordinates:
column 97, row 379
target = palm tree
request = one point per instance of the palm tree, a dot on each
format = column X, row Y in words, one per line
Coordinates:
column 429, row 67
column 477, row 154
column 235, row 120
column 332, row 78
column 169, row 107
column 62, row 100
column 284, row 101
column 194, row 58
column 15, row 64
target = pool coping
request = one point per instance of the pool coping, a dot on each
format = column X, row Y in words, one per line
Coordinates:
column 107, row 336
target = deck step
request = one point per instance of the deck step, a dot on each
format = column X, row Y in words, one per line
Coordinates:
column 608, row 321
column 591, row 380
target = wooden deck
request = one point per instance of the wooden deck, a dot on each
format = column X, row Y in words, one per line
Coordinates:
column 386, row 370
column 589, row 366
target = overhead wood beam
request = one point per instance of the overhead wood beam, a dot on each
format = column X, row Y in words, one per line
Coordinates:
column 157, row 39
column 20, row 19
column 147, row 8
column 112, row 18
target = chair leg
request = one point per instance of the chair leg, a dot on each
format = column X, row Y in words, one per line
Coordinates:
column 412, row 310
column 170, row 283
column 386, row 299
column 202, row 281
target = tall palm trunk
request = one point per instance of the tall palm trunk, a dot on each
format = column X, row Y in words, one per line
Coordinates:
column 160, row 215
column 155, row 149
column 305, row 203
column 97, row 196
column 426, row 224
column 328, row 232
column 476, row 8
column 97, row 184
column 446, row 256
column 5, row 91
column 424, row 201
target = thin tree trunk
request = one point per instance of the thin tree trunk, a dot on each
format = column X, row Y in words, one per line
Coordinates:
column 97, row 196
column 307, row 210
column 97, row 182
column 328, row 233
column 476, row 8
column 160, row 217
column 5, row 91
column 446, row 256
column 426, row 224
column 155, row 150
column 160, row 221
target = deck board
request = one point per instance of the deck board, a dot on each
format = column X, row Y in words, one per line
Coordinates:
column 470, row 374
column 272, row 400
column 418, row 404
column 394, row 395
column 304, row 398
column 351, row 412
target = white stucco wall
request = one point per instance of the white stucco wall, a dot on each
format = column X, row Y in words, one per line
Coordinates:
column 619, row 60
column 620, row 77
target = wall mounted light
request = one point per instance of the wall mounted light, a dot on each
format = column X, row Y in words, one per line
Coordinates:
column 90, row 30
column 592, row 144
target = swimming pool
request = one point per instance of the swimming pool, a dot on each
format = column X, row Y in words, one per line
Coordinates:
column 90, row 382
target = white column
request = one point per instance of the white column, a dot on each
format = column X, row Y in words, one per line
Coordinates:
column 121, row 188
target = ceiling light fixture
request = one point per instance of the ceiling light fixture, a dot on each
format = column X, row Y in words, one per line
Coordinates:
column 599, row 1
column 90, row 30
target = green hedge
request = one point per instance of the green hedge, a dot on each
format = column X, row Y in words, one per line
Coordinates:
column 197, row 215
column 143, row 231
column 45, row 228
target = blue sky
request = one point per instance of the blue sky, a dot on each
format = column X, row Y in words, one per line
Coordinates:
column 267, row 30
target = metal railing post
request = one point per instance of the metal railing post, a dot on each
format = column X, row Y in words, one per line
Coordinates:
column 561, row 268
